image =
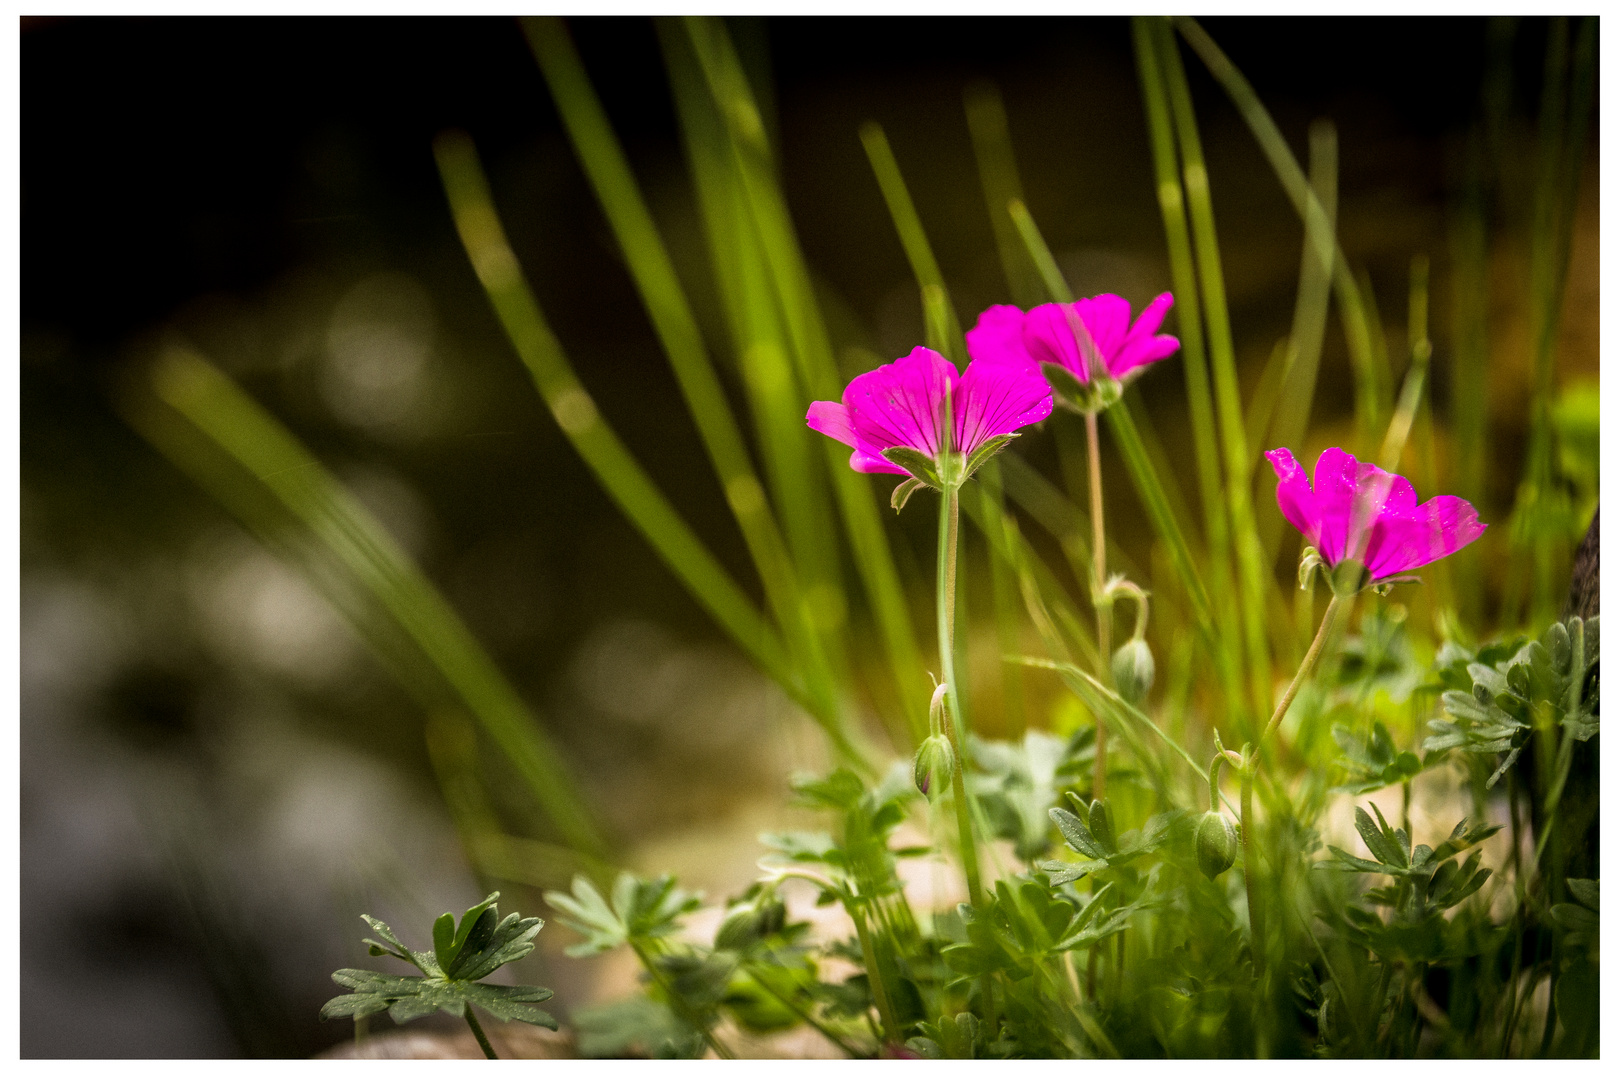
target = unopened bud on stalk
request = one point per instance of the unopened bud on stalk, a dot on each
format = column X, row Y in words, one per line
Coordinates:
column 1217, row 843
column 1134, row 670
column 934, row 763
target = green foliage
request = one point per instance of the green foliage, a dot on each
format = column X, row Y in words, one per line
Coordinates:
column 1428, row 882
column 1547, row 684
column 462, row 954
column 642, row 911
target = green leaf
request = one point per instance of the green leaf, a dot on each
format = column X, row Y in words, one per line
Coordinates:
column 1584, row 890
column 1077, row 835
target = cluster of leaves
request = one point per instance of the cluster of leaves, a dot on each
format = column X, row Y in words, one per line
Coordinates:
column 1499, row 696
column 462, row 955
column 1426, row 882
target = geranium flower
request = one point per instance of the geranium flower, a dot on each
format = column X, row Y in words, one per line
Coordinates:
column 1087, row 349
column 917, row 417
column 1356, row 511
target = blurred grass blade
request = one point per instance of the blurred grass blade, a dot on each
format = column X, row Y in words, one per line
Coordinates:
column 1004, row 597
column 1253, row 576
column 1412, row 387
column 998, row 176
column 452, row 745
column 776, row 403
column 1298, row 390
column 654, row 273
column 1190, row 325
column 1543, row 512
column 1297, row 394
column 807, row 337
column 943, row 328
column 1043, row 597
column 239, row 427
column 1318, row 226
column 575, row 412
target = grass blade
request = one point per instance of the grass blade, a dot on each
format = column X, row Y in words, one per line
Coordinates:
column 654, row 273
column 998, row 175
column 939, row 316
column 1252, row 576
column 807, row 338
column 1318, row 226
column 237, row 426
column 577, row 415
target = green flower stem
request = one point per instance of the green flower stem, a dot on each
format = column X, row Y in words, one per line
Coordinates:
column 1251, row 876
column 478, row 1032
column 1305, row 666
column 949, row 510
column 880, row 992
column 758, row 974
column 678, row 1003
column 1104, row 606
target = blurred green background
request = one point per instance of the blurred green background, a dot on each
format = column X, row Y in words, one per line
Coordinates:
column 218, row 776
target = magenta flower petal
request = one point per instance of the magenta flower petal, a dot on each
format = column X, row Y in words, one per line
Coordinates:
column 1144, row 344
column 998, row 338
column 907, row 403
column 1052, row 334
column 1295, row 498
column 902, row 403
column 1398, row 543
column 831, row 418
column 1050, row 337
column 1355, row 510
column 1108, row 319
column 996, row 400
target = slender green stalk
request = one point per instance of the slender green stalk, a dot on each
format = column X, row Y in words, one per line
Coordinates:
column 237, row 426
column 956, row 729
column 678, row 1003
column 944, row 335
column 1306, row 666
column 1129, row 441
column 1251, row 871
column 1252, row 575
column 478, row 1033
column 1100, row 601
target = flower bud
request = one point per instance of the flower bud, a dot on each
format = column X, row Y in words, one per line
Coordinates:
column 1217, row 843
column 934, row 763
column 1133, row 671
column 750, row 922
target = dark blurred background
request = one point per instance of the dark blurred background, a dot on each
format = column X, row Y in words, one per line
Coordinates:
column 216, row 775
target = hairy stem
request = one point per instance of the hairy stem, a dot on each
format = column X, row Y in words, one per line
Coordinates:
column 1251, row 872
column 1305, row 667
column 956, row 730
column 478, row 1033
column 1105, row 607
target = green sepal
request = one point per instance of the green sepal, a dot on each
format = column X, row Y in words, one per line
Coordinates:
column 918, row 464
column 1089, row 397
column 903, row 491
column 989, row 449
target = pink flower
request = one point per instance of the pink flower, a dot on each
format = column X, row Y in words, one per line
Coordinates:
column 902, row 406
column 1358, row 511
column 1093, row 340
